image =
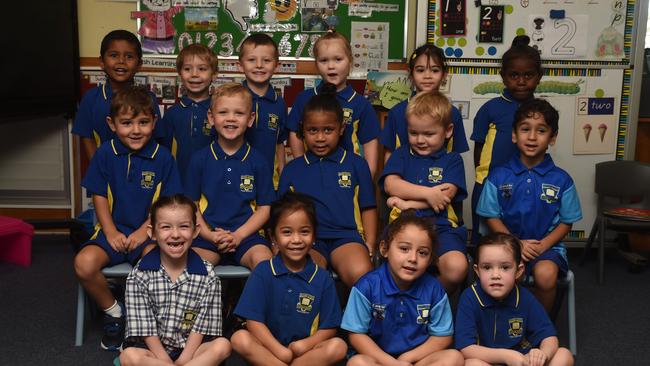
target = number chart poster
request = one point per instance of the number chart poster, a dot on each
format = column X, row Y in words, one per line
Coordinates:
column 569, row 30
column 166, row 26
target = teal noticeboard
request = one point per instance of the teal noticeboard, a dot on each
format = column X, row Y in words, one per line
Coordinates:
column 294, row 24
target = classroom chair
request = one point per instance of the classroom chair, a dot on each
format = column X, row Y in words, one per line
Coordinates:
column 122, row 270
column 623, row 189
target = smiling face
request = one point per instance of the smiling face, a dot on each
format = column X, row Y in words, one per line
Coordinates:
column 294, row 235
column 231, row 115
column 120, row 62
column 134, row 131
column 521, row 78
column 497, row 270
column 258, row 63
column 533, row 136
column 174, row 231
column 426, row 135
column 321, row 132
column 333, row 62
column 197, row 76
column 427, row 74
column 408, row 254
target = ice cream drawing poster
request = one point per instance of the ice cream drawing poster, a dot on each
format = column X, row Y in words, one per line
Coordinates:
column 595, row 126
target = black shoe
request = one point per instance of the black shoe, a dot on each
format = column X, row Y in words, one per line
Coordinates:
column 113, row 332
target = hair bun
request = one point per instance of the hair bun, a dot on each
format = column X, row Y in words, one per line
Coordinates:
column 519, row 41
column 327, row 89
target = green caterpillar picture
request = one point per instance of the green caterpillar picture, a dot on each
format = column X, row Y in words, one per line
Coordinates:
column 550, row 86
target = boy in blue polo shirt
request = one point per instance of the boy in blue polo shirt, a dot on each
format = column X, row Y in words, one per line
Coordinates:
column 289, row 303
column 499, row 322
column 533, row 199
column 125, row 176
column 231, row 184
column 120, row 58
column 259, row 60
column 185, row 129
column 422, row 175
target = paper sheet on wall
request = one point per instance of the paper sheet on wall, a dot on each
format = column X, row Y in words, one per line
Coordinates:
column 595, row 126
column 369, row 42
column 564, row 38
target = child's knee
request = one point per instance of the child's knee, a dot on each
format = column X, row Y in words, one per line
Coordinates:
column 475, row 362
column 452, row 358
column 336, row 348
column 241, row 341
column 453, row 266
column 563, row 357
column 130, row 356
column 88, row 262
column 220, row 348
column 546, row 273
column 359, row 360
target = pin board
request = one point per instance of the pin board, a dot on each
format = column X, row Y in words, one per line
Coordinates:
column 166, row 26
column 568, row 30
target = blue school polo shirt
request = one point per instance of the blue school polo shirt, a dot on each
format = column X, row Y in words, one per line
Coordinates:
column 185, row 129
column 395, row 131
column 269, row 128
column 131, row 180
column 94, row 107
column 340, row 185
column 397, row 320
column 519, row 322
column 530, row 202
column 429, row 171
column 228, row 187
column 493, row 128
column 359, row 118
column 293, row 305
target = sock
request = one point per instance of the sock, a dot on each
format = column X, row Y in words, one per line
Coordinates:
column 115, row 310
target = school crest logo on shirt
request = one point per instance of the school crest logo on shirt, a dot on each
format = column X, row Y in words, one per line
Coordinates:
column 506, row 190
column 347, row 116
column 246, row 184
column 379, row 311
column 189, row 316
column 550, row 193
column 207, row 128
column 345, row 179
column 515, row 327
column 423, row 313
column 305, row 302
column 435, row 174
column 273, row 122
column 147, row 180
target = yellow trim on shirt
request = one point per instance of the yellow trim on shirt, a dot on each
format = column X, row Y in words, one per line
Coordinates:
column 314, row 325
column 486, row 154
column 357, row 212
column 356, row 145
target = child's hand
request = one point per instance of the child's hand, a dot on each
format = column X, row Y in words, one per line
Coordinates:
column 437, row 199
column 136, row 239
column 516, row 359
column 536, row 357
column 298, row 348
column 530, row 249
column 403, row 359
column 284, row 354
column 183, row 359
column 117, row 241
column 396, row 202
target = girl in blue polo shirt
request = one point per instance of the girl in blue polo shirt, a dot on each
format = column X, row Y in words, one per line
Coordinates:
column 399, row 314
column 499, row 322
column 290, row 304
column 360, row 130
column 341, row 186
column 427, row 71
column 521, row 71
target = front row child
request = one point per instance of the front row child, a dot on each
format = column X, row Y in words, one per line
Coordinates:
column 533, row 199
column 173, row 297
column 341, row 186
column 422, row 175
column 231, row 184
column 125, row 176
column 499, row 322
column 399, row 314
column 290, row 304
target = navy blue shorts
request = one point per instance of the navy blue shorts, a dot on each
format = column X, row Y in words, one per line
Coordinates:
column 451, row 238
column 174, row 353
column 114, row 256
column 553, row 256
column 325, row 246
column 242, row 248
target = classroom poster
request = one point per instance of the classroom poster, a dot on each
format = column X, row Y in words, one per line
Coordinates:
column 595, row 125
column 369, row 41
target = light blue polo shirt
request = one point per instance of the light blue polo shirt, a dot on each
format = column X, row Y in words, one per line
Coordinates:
column 395, row 131
column 530, row 202
column 493, row 128
column 359, row 118
column 397, row 320
column 95, row 106
column 340, row 185
column 429, row 171
column 228, row 187
column 293, row 305
column 185, row 129
column 269, row 128
column 131, row 180
column 519, row 322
